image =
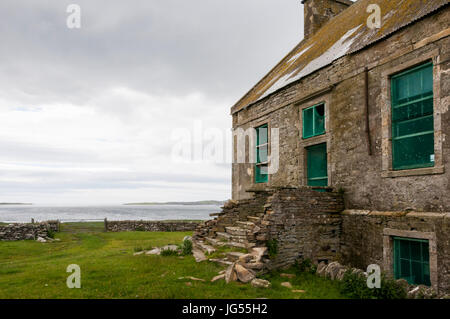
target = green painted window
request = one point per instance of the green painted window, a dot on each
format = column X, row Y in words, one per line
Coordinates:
column 412, row 260
column 412, row 118
column 316, row 162
column 313, row 120
column 262, row 146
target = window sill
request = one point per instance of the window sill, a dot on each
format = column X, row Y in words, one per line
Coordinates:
column 414, row 172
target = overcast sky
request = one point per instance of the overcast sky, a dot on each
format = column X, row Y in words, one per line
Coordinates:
column 87, row 116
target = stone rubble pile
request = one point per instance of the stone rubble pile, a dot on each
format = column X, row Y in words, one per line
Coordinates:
column 336, row 271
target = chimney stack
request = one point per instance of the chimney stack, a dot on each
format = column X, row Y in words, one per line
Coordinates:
column 319, row 12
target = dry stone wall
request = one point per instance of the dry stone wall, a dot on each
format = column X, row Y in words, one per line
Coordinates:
column 151, row 226
column 28, row 231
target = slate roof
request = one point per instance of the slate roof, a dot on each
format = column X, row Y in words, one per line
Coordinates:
column 344, row 34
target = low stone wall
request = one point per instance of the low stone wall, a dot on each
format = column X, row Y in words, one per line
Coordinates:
column 366, row 238
column 28, row 231
column 304, row 223
column 152, row 226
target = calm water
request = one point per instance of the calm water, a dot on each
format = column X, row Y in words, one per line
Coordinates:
column 12, row 213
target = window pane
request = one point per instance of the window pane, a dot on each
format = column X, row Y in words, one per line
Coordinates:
column 261, row 173
column 308, row 122
column 261, row 135
column 317, row 165
column 262, row 154
column 416, row 151
column 319, row 118
column 412, row 118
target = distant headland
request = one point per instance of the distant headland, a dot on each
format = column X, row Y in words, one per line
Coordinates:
column 202, row 202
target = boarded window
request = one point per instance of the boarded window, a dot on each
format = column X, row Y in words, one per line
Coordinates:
column 412, row 118
column 412, row 260
column 262, row 147
column 317, row 165
column 313, row 120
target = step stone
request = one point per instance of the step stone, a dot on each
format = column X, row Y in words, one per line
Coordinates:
column 234, row 255
column 236, row 231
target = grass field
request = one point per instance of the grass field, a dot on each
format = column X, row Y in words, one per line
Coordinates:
column 29, row 269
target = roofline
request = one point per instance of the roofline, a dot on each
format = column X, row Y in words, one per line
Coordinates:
column 351, row 52
column 347, row 2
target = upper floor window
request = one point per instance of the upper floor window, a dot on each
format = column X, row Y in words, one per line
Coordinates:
column 262, row 147
column 412, row 118
column 314, row 120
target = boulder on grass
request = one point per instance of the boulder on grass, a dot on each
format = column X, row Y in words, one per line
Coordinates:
column 260, row 283
column 218, row 277
column 230, row 274
column 243, row 274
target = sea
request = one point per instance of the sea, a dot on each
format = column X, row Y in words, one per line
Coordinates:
column 24, row 213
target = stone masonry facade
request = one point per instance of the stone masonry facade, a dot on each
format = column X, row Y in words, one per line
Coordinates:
column 367, row 203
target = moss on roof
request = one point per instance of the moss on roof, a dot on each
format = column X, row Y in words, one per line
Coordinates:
column 344, row 34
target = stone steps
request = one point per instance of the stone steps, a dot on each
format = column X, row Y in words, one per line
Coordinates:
column 253, row 219
column 204, row 247
column 214, row 242
column 223, row 235
column 236, row 231
column 245, row 225
column 234, row 255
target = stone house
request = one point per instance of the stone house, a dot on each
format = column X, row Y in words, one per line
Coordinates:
column 356, row 118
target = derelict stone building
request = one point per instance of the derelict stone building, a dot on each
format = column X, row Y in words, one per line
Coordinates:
column 361, row 117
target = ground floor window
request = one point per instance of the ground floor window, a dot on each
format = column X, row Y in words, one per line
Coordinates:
column 316, row 162
column 412, row 260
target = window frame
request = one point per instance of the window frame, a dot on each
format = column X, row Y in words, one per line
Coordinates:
column 313, row 107
column 395, row 165
column 397, row 257
column 400, row 64
column 258, row 164
column 388, row 248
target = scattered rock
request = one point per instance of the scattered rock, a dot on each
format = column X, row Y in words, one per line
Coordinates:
column 154, row 251
column 245, row 258
column 41, row 240
column 222, row 272
column 422, row 292
column 298, row 290
column 230, row 274
column 189, row 238
column 287, row 275
column 259, row 252
column 244, row 275
column 195, row 279
column 138, row 253
column 254, row 265
column 286, row 284
column 198, row 255
column 321, row 268
column 170, row 247
column 218, row 277
column 260, row 283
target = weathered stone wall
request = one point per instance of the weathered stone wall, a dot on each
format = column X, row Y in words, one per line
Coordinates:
column 28, row 231
column 363, row 239
column 152, row 226
column 305, row 224
column 350, row 166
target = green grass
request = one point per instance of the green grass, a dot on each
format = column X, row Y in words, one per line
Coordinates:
column 29, row 269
